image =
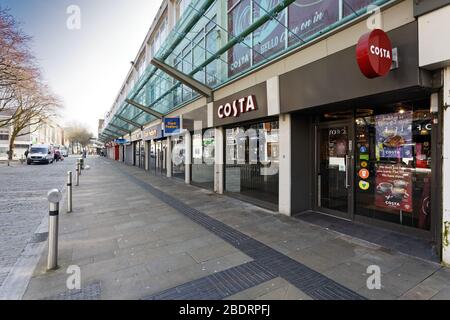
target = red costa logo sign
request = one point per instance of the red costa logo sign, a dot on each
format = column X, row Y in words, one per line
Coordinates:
column 374, row 54
column 237, row 107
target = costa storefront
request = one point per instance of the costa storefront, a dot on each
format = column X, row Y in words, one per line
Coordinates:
column 250, row 146
column 364, row 134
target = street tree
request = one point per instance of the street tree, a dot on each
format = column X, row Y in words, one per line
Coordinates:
column 17, row 64
column 77, row 134
column 35, row 105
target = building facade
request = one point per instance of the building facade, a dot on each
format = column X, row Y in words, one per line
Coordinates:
column 335, row 107
column 48, row 132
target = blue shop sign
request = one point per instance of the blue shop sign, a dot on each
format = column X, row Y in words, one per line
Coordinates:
column 121, row 141
column 172, row 126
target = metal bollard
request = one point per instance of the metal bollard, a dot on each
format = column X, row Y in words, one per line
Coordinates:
column 78, row 175
column 69, row 191
column 54, row 197
column 79, row 166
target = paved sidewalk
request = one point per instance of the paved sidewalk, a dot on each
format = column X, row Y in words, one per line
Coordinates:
column 137, row 236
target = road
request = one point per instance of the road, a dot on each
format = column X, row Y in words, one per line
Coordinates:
column 23, row 205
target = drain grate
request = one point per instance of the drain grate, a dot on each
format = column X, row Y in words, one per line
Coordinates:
column 91, row 291
column 311, row 282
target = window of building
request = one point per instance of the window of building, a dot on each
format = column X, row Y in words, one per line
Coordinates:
column 252, row 161
column 393, row 163
column 203, row 157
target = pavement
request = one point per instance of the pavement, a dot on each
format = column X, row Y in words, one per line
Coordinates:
column 23, row 205
column 133, row 235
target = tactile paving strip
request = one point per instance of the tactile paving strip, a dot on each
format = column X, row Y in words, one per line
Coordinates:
column 92, row 291
column 311, row 282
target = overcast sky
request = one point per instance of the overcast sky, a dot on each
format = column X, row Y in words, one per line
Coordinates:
column 85, row 67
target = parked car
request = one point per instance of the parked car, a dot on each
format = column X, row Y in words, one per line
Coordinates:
column 64, row 152
column 41, row 153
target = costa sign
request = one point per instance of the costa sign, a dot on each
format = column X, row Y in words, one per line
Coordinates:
column 235, row 108
column 374, row 54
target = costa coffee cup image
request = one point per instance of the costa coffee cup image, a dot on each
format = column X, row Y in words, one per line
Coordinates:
column 385, row 187
column 400, row 183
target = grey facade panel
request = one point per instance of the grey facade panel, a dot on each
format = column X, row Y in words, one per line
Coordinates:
column 422, row 7
column 302, row 158
column 337, row 78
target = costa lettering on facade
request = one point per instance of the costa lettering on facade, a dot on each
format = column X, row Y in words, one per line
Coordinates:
column 237, row 107
column 374, row 54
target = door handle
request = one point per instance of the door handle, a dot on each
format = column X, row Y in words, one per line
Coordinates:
column 347, row 172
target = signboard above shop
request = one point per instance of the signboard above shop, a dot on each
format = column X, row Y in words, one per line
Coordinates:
column 121, row 141
column 172, row 126
column 374, row 54
column 151, row 133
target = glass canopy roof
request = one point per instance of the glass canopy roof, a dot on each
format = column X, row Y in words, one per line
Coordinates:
column 217, row 41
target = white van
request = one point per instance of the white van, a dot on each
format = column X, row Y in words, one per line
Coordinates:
column 41, row 153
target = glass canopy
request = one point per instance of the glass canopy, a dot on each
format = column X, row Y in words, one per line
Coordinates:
column 216, row 41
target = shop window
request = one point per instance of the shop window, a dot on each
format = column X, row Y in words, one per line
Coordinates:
column 252, row 161
column 393, row 163
column 178, row 157
column 203, row 153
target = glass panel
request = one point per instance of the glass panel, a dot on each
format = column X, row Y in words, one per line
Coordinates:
column 178, row 157
column 394, row 154
column 353, row 6
column 239, row 19
column 203, row 158
column 252, row 161
column 271, row 37
column 333, row 168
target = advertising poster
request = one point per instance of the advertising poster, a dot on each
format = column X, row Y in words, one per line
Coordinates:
column 352, row 6
column 239, row 19
column 394, row 135
column 270, row 38
column 394, row 188
column 307, row 17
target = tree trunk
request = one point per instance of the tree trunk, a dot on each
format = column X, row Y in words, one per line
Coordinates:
column 11, row 147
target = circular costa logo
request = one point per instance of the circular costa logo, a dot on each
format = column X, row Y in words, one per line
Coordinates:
column 374, row 54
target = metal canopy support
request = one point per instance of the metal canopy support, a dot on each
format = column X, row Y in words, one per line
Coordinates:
column 134, row 124
column 185, row 79
column 145, row 109
column 200, row 12
column 118, row 128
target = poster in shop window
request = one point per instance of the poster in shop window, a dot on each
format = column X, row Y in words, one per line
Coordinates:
column 394, row 187
column 394, row 136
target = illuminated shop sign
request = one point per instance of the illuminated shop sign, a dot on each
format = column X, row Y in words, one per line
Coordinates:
column 237, row 107
column 374, row 54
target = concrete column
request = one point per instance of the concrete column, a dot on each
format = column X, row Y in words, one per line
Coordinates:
column 169, row 157
column 146, row 148
column 284, row 188
column 187, row 156
column 219, row 161
column 446, row 171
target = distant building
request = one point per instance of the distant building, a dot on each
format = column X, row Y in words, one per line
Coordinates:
column 48, row 132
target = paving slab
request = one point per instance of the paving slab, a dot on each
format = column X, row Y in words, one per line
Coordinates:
column 141, row 236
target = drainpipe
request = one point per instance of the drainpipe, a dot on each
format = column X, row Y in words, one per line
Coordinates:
column 446, row 171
